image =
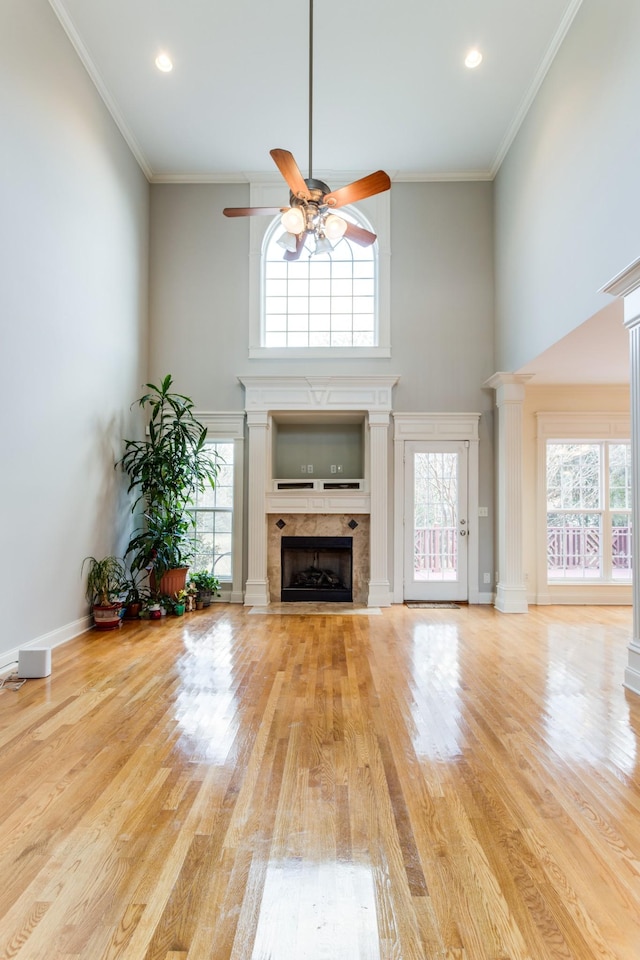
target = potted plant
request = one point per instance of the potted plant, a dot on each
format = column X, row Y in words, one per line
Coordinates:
column 206, row 586
column 105, row 582
column 134, row 596
column 180, row 603
column 165, row 470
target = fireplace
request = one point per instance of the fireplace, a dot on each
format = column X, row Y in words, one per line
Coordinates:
column 316, row 569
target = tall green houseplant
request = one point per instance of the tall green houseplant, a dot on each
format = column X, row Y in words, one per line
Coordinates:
column 165, row 470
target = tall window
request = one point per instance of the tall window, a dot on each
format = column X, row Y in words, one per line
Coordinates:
column 212, row 530
column 589, row 511
column 326, row 300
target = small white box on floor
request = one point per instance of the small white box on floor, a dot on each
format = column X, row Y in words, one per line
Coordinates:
column 34, row 662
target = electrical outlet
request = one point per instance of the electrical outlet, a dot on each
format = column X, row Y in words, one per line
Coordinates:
column 483, row 512
column 333, row 468
column 339, row 468
column 303, row 468
column 309, row 468
column 487, row 578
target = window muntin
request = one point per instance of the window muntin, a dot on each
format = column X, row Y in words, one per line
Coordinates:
column 324, row 300
column 212, row 530
column 588, row 511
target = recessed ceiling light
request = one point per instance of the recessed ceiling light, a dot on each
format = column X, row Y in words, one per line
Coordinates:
column 473, row 59
column 163, row 62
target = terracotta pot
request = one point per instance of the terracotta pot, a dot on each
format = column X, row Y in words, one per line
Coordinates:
column 170, row 582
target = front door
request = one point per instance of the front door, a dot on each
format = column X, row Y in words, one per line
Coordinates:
column 436, row 524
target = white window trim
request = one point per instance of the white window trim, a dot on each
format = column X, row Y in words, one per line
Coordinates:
column 579, row 427
column 225, row 428
column 378, row 211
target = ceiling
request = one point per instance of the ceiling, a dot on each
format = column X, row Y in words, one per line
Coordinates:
column 596, row 352
column 390, row 88
column 390, row 92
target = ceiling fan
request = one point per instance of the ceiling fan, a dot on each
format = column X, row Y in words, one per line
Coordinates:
column 312, row 201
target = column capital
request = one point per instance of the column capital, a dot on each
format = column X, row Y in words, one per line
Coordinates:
column 379, row 419
column 626, row 285
column 509, row 387
column 624, row 282
column 257, row 418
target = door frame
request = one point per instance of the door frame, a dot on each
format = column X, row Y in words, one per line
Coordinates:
column 434, row 589
column 435, row 427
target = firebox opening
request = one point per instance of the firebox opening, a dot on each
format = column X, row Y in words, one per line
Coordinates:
column 316, row 568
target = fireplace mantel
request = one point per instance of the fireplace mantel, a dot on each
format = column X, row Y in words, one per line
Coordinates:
column 268, row 396
column 271, row 394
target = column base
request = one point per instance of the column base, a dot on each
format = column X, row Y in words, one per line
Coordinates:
column 511, row 599
column 632, row 673
column 379, row 593
column 256, row 593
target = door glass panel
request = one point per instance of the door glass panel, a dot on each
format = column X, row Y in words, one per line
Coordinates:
column 435, row 516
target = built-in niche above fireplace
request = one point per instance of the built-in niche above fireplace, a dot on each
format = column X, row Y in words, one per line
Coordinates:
column 316, row 569
column 309, row 447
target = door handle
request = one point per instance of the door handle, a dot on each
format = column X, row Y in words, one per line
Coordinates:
column 463, row 533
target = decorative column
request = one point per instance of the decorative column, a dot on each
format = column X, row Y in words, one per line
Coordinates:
column 627, row 285
column 511, row 594
column 379, row 585
column 257, row 587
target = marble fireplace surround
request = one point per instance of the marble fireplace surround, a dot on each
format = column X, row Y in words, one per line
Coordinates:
column 329, row 512
column 320, row 525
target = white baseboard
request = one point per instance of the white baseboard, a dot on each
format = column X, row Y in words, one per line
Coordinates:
column 632, row 673
column 379, row 594
column 607, row 599
column 53, row 639
column 256, row 593
column 582, row 594
column 487, row 598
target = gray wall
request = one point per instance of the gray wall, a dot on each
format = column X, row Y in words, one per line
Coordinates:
column 441, row 296
column 73, row 321
column 441, row 303
column 567, row 197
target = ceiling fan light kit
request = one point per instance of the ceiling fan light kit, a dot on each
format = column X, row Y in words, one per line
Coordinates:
column 311, row 201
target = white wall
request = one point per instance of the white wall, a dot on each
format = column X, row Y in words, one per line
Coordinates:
column 567, row 198
column 441, row 303
column 73, row 322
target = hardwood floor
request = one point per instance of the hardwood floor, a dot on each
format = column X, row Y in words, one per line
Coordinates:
column 422, row 785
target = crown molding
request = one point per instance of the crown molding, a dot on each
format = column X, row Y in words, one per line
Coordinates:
column 85, row 57
column 532, row 92
column 330, row 176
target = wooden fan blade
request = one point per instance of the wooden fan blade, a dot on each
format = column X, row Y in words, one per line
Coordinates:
column 291, row 172
column 376, row 182
column 252, row 211
column 359, row 235
column 295, row 254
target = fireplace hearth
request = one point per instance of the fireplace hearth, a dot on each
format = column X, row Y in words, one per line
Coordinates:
column 316, row 569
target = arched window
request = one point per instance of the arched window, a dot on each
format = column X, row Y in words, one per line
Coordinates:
column 321, row 300
column 347, row 262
